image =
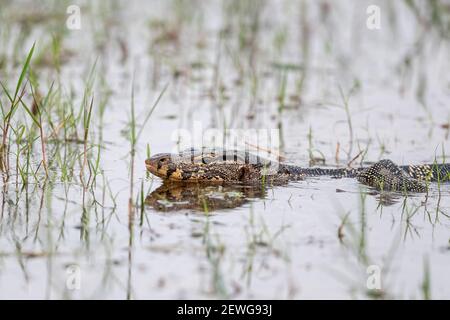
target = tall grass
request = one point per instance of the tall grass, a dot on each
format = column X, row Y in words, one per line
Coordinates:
column 7, row 114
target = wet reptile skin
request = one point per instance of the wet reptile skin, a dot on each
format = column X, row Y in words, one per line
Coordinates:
column 212, row 165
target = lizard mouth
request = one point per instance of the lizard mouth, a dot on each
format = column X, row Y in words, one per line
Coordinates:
column 153, row 165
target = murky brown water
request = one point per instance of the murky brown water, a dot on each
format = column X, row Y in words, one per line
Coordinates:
column 258, row 65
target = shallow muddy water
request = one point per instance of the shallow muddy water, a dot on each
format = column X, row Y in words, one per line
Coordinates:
column 332, row 90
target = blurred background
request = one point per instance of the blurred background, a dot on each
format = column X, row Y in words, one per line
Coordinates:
column 92, row 88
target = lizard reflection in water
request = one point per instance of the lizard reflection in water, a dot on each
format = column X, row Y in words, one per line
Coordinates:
column 202, row 197
column 211, row 197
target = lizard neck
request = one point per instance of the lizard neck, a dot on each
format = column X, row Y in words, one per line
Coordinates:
column 299, row 172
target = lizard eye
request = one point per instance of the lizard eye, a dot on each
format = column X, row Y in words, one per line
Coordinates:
column 207, row 159
column 163, row 161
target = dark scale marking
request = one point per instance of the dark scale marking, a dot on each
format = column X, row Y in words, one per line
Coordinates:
column 186, row 175
column 171, row 169
column 386, row 175
column 429, row 172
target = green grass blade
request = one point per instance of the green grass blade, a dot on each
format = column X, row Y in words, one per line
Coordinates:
column 24, row 71
column 33, row 117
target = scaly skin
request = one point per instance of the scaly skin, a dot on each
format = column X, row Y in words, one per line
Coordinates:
column 212, row 165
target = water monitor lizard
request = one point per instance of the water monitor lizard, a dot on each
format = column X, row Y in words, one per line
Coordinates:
column 243, row 167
